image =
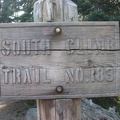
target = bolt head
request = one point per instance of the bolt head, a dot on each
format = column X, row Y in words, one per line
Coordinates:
column 58, row 30
column 59, row 89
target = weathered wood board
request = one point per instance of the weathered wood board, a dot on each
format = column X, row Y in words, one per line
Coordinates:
column 83, row 59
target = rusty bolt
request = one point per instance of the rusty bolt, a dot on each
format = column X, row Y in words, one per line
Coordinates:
column 58, row 30
column 59, row 89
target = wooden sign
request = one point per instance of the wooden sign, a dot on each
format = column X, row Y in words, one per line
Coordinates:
column 59, row 60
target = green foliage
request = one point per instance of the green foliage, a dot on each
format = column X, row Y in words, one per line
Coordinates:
column 108, row 102
column 84, row 7
column 98, row 10
column 29, row 103
column 27, row 7
column 98, row 15
column 7, row 8
column 10, row 11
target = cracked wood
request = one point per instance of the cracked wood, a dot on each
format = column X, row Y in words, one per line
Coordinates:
column 84, row 59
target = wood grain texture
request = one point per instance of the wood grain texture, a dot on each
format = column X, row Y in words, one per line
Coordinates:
column 47, row 109
column 68, row 109
column 84, row 59
column 118, row 75
column 60, row 109
column 55, row 11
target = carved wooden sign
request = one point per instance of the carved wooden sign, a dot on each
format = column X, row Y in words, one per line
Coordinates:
column 59, row 60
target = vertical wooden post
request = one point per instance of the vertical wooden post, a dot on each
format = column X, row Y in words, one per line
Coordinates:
column 62, row 11
column 59, row 109
column 55, row 11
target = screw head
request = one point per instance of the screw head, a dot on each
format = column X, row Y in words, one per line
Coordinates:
column 58, row 30
column 59, row 89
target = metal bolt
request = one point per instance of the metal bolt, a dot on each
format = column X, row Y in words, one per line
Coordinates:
column 58, row 30
column 59, row 89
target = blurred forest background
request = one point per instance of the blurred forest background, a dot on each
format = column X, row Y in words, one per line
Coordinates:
column 12, row 11
column 89, row 10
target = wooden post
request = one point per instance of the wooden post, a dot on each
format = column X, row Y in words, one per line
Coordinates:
column 57, row 11
column 60, row 109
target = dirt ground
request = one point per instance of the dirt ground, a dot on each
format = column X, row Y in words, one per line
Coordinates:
column 12, row 110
